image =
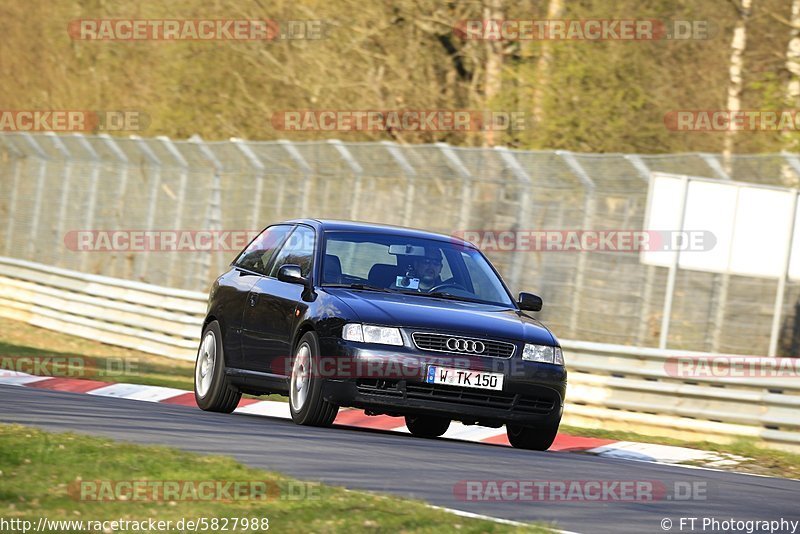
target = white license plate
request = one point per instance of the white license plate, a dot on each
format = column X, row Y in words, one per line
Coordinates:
column 464, row 378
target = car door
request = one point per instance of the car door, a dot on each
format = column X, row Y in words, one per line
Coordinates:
column 270, row 312
column 235, row 286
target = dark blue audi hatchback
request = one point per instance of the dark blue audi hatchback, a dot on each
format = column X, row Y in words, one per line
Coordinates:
column 391, row 320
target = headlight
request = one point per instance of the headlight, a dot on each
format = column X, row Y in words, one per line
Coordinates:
column 367, row 333
column 543, row 353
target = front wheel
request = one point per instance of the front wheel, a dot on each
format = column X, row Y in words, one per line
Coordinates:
column 212, row 392
column 305, row 386
column 427, row 426
column 531, row 438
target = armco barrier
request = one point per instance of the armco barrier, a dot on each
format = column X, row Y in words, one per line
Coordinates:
column 610, row 386
column 629, row 388
column 139, row 316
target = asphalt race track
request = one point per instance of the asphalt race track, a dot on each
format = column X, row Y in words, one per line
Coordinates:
column 407, row 466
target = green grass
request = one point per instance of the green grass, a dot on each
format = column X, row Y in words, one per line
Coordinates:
column 21, row 342
column 40, row 471
column 99, row 361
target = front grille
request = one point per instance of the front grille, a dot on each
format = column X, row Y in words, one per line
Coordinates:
column 438, row 343
column 455, row 394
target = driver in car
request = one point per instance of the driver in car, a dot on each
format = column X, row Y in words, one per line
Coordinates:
column 427, row 269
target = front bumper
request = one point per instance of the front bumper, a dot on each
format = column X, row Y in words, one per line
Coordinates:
column 389, row 380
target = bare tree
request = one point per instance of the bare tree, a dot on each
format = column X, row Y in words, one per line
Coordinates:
column 736, row 69
column 790, row 141
column 793, row 57
column 555, row 9
column 494, row 66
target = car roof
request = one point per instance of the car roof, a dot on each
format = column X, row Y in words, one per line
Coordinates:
column 333, row 225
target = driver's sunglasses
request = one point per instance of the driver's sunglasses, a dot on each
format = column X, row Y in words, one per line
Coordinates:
column 431, row 261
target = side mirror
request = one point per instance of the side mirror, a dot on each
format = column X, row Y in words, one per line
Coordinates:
column 291, row 274
column 530, row 302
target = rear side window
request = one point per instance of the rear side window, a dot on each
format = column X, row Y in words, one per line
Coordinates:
column 257, row 255
column 298, row 250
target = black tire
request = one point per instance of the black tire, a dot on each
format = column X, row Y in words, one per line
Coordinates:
column 531, row 438
column 427, row 426
column 218, row 395
column 313, row 410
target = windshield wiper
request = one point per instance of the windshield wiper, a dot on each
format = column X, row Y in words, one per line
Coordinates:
column 443, row 295
column 435, row 294
column 366, row 287
column 439, row 295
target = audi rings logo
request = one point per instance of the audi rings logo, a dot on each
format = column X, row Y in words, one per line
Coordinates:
column 465, row 345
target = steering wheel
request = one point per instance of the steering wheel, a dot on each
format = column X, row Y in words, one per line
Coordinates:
column 447, row 284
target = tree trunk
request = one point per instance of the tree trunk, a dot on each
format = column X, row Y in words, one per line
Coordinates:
column 790, row 139
column 493, row 81
column 735, row 83
column 555, row 9
column 793, row 58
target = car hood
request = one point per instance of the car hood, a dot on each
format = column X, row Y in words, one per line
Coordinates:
column 451, row 316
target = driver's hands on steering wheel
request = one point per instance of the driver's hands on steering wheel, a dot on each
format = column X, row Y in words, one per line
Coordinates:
column 439, row 287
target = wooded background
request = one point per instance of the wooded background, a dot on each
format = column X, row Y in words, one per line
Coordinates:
column 588, row 96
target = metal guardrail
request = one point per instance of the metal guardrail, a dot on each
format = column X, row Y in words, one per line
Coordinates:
column 610, row 386
column 138, row 316
column 632, row 388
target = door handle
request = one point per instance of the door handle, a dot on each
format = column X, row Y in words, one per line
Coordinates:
column 253, row 299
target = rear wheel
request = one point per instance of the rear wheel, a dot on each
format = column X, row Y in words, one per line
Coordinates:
column 531, row 438
column 305, row 386
column 212, row 392
column 427, row 426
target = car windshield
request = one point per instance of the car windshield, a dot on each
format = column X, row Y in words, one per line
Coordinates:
column 425, row 267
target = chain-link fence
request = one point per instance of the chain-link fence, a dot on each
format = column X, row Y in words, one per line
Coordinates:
column 53, row 186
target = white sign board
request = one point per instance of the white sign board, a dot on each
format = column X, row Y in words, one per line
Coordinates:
column 742, row 229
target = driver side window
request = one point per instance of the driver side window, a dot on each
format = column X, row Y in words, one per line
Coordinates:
column 298, row 250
